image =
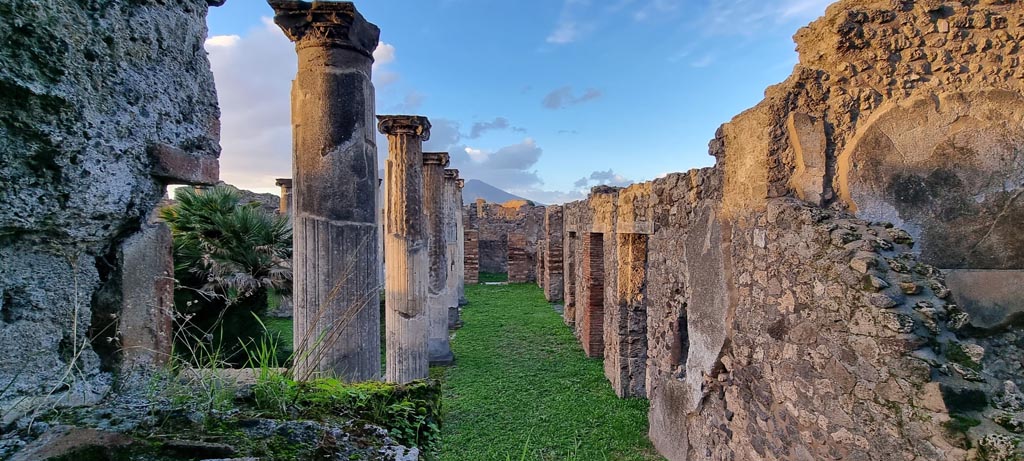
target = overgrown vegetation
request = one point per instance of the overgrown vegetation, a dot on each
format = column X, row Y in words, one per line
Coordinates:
column 522, row 388
column 227, row 257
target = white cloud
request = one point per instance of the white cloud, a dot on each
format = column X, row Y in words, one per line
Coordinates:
column 253, row 74
column 566, row 32
column 223, row 40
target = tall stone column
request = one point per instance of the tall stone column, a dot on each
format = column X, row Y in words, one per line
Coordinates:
column 460, row 246
column 405, row 244
column 285, row 208
column 434, row 164
column 451, row 228
column 334, row 173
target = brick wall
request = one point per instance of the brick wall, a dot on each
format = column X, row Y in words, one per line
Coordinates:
column 472, row 256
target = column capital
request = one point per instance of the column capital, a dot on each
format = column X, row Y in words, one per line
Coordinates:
column 413, row 125
column 326, row 24
column 451, row 174
column 284, row 182
column 436, row 158
column 461, row 183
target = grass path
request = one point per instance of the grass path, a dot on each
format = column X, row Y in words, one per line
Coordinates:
column 522, row 388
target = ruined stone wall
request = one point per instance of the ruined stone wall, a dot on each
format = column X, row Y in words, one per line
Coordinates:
column 495, row 222
column 795, row 301
column 103, row 104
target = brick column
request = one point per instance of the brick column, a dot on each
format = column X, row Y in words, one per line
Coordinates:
column 472, row 257
column 336, row 295
column 438, row 346
column 553, row 275
column 518, row 262
column 405, row 243
column 591, row 328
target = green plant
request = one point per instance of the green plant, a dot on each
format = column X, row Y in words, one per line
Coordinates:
column 227, row 258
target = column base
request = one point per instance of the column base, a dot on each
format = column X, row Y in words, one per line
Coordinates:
column 454, row 318
column 463, row 301
column 440, row 352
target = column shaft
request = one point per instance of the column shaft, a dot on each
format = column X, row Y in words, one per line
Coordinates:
column 433, row 205
column 336, row 282
column 406, row 252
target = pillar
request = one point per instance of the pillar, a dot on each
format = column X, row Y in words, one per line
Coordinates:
column 471, row 246
column 554, row 273
column 518, row 261
column 285, row 208
column 451, row 229
column 460, row 247
column 625, row 351
column 334, row 175
column 439, row 346
column 406, row 254
column 591, row 323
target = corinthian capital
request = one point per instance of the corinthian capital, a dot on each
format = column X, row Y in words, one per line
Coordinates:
column 413, row 125
column 326, row 24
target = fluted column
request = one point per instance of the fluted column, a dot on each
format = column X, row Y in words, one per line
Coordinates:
column 460, row 246
column 434, row 164
column 334, row 166
column 451, row 290
column 285, row 206
column 406, row 252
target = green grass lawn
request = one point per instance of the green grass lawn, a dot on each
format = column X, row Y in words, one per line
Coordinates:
column 522, row 388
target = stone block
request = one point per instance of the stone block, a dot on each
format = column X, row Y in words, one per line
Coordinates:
column 175, row 166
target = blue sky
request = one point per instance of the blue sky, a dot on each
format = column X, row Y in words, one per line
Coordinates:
column 543, row 98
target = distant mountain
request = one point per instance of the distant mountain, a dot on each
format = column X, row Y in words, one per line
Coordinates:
column 478, row 189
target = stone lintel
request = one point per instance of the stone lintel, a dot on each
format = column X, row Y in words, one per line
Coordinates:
column 326, row 24
column 436, row 158
column 284, row 182
column 451, row 173
column 175, row 166
column 412, row 125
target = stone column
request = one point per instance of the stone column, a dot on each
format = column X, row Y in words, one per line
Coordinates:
column 460, row 246
column 554, row 274
column 380, row 228
column 451, row 228
column 434, row 164
column 405, row 245
column 334, row 172
column 285, row 208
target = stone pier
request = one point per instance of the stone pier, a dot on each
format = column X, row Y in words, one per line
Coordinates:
column 554, row 275
column 439, row 346
column 518, row 262
column 452, row 208
column 334, row 165
column 285, row 208
column 406, row 252
column 471, row 256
